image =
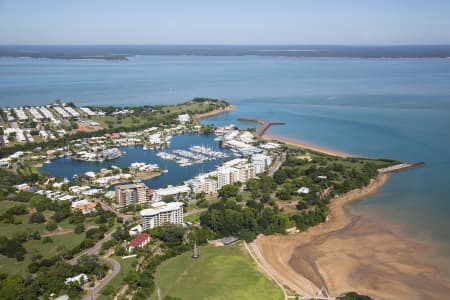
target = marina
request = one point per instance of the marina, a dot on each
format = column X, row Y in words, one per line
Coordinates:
column 173, row 171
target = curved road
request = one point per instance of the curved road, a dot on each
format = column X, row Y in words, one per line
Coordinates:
column 93, row 293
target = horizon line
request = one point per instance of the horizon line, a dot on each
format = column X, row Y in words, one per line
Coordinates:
column 224, row 45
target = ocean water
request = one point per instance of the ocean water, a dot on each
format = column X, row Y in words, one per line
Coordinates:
column 392, row 108
column 67, row 168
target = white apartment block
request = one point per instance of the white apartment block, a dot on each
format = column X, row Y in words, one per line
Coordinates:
column 162, row 213
column 246, row 172
column 178, row 192
column 261, row 162
column 203, row 183
column 227, row 175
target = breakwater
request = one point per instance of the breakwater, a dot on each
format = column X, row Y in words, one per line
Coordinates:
column 263, row 125
column 400, row 167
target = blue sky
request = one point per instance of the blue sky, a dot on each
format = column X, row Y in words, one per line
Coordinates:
column 355, row 22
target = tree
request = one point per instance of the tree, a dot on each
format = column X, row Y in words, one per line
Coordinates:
column 120, row 250
column 79, row 229
column 51, row 226
column 354, row 296
column 12, row 248
column 228, row 191
column 172, row 235
column 13, row 288
column 37, row 217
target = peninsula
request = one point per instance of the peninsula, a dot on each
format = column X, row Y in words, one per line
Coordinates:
column 260, row 189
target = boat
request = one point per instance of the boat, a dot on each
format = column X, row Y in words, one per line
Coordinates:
column 48, row 161
column 144, row 148
column 165, row 171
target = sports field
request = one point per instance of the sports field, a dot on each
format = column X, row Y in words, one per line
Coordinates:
column 220, row 273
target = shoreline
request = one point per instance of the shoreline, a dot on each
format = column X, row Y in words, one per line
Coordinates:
column 279, row 266
column 296, row 143
column 276, row 138
column 351, row 252
column 197, row 117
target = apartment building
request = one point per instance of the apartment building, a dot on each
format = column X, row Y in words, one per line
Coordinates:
column 162, row 213
column 137, row 193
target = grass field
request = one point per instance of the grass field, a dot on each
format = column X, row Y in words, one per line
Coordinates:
column 126, row 265
column 12, row 266
column 220, row 273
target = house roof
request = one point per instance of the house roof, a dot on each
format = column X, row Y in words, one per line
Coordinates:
column 139, row 239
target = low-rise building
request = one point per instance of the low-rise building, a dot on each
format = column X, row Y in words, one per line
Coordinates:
column 80, row 278
column 303, row 190
column 85, row 206
column 183, row 118
column 162, row 213
column 177, row 192
column 139, row 241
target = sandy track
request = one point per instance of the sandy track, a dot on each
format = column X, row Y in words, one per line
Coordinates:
column 352, row 253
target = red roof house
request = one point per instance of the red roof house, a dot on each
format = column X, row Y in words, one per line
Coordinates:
column 139, row 241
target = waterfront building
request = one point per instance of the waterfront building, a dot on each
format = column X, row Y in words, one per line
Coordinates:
column 177, row 192
column 227, row 175
column 162, row 213
column 204, row 184
column 246, row 172
column 183, row 118
column 136, row 193
column 261, row 162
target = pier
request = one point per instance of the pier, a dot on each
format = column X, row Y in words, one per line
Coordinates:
column 263, row 125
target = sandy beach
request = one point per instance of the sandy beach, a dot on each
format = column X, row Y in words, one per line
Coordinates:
column 352, row 253
column 304, row 145
column 197, row 117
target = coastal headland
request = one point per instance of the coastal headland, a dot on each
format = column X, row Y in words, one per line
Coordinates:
column 197, row 117
column 350, row 252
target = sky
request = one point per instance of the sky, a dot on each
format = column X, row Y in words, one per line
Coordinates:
column 313, row 22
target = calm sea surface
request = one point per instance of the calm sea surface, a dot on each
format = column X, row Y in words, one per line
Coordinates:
column 176, row 175
column 393, row 108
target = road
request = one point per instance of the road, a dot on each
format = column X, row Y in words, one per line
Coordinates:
column 277, row 164
column 94, row 250
column 93, row 293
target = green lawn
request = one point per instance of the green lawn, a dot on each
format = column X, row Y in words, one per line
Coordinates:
column 220, row 273
column 126, row 265
column 195, row 218
column 11, row 266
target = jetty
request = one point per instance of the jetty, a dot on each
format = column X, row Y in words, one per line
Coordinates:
column 400, row 167
column 263, row 125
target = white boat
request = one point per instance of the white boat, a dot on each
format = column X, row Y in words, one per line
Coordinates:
column 144, row 148
column 165, row 171
column 48, row 161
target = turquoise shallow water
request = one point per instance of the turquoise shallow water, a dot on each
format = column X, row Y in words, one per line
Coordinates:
column 394, row 108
